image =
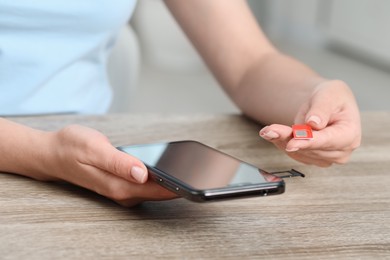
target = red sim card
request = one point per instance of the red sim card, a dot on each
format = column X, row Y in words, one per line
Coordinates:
column 302, row 132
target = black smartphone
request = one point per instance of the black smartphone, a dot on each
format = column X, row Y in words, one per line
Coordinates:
column 201, row 173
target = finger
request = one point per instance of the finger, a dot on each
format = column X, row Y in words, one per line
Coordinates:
column 277, row 134
column 122, row 191
column 280, row 135
column 322, row 107
column 321, row 162
column 339, row 157
column 330, row 138
column 108, row 158
column 151, row 192
column 318, row 119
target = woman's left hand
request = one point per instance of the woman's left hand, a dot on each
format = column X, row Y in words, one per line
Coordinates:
column 333, row 114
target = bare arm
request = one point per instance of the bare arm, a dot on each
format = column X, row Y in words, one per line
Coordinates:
column 78, row 155
column 255, row 75
column 268, row 86
column 23, row 150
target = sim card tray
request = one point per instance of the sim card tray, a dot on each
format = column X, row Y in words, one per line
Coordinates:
column 288, row 174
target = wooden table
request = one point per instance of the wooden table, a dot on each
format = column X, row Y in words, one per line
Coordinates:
column 340, row 212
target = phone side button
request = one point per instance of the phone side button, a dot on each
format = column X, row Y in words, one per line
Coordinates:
column 172, row 186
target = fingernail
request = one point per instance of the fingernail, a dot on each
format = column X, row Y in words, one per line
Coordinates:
column 314, row 119
column 293, row 149
column 269, row 135
column 138, row 174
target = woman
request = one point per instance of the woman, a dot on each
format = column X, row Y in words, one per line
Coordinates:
column 52, row 60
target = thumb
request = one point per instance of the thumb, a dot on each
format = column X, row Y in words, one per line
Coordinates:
column 319, row 113
column 121, row 164
column 327, row 100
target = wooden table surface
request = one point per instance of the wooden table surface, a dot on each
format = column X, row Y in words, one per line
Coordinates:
column 341, row 212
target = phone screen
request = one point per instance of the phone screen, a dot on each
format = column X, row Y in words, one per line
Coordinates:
column 199, row 166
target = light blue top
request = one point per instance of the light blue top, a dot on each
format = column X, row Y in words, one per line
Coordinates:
column 53, row 54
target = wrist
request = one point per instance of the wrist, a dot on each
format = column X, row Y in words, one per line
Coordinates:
column 24, row 150
column 43, row 157
column 38, row 156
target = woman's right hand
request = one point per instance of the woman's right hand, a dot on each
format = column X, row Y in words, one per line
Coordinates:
column 333, row 114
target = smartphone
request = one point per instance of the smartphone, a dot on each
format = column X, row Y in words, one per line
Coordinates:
column 201, row 173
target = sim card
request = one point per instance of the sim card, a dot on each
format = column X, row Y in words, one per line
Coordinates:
column 302, row 132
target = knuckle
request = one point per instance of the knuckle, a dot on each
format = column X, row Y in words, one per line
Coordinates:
column 355, row 145
column 117, row 167
column 342, row 160
column 68, row 131
column 324, row 164
column 89, row 146
column 117, row 192
column 129, row 202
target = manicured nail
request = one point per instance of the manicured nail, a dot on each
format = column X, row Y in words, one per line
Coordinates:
column 138, row 174
column 270, row 135
column 291, row 150
column 314, row 119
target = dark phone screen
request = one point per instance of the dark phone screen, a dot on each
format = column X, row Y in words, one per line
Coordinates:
column 198, row 165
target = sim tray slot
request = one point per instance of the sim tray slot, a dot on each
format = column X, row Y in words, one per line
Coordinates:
column 288, row 174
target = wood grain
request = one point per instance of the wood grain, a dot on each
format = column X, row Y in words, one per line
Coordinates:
column 342, row 212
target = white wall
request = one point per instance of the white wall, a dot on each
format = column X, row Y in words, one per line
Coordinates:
column 297, row 20
column 164, row 44
column 361, row 27
column 356, row 27
column 174, row 79
column 344, row 39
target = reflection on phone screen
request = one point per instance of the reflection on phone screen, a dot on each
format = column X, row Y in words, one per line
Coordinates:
column 198, row 165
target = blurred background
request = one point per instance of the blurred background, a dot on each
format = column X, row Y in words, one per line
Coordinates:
column 154, row 68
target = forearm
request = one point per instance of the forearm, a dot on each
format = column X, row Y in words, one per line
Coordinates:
column 269, row 86
column 253, row 73
column 23, row 150
column 274, row 88
column 226, row 35
column 78, row 155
